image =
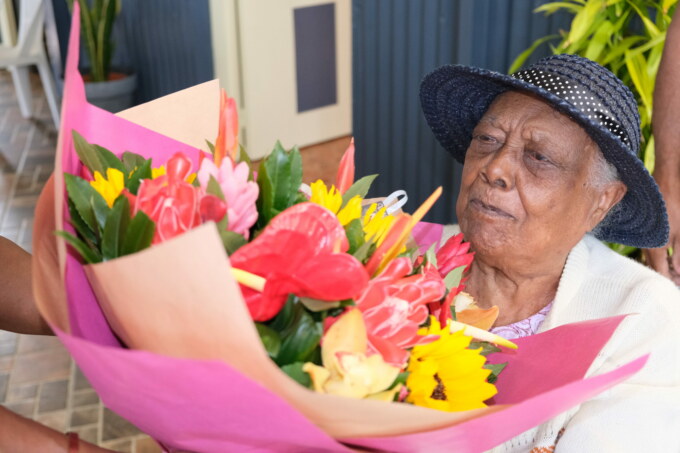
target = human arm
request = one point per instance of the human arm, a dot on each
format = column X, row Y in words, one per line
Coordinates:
column 21, row 434
column 667, row 151
column 18, row 312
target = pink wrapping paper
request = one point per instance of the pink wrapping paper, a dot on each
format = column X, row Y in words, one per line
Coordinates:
column 207, row 405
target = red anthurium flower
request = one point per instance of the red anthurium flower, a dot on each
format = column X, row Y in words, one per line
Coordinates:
column 394, row 305
column 300, row 252
column 345, row 177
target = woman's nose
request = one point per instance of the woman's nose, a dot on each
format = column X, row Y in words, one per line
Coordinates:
column 499, row 170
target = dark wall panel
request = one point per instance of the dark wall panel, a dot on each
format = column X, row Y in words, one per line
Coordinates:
column 397, row 42
column 167, row 42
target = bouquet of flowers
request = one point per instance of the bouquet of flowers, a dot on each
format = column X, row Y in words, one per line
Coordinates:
column 220, row 307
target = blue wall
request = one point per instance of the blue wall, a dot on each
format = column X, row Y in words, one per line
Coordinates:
column 397, row 42
column 167, row 42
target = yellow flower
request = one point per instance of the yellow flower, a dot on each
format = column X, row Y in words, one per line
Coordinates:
column 376, row 224
column 157, row 172
column 331, row 199
column 445, row 374
column 109, row 187
column 160, row 171
column 346, row 370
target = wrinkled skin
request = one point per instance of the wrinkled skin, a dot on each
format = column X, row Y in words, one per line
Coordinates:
column 526, row 199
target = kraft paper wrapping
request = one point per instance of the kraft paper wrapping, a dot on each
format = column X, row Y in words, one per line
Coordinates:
column 196, row 376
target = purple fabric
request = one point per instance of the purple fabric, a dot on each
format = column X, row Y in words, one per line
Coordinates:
column 525, row 327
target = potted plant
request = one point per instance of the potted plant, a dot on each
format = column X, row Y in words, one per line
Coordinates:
column 109, row 89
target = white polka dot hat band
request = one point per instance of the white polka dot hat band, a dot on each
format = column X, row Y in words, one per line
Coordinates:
column 454, row 98
column 577, row 95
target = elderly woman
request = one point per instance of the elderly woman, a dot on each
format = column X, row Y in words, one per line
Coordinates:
column 550, row 167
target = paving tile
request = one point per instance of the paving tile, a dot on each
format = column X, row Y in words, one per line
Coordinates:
column 8, row 343
column 18, row 392
column 35, row 343
column 80, row 382
column 25, row 408
column 6, row 363
column 84, row 398
column 57, row 420
column 88, row 433
column 42, row 366
column 116, row 426
column 84, row 416
column 4, row 380
column 122, row 446
column 53, row 396
column 147, row 445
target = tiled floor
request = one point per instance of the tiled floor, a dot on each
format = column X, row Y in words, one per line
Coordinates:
column 38, row 379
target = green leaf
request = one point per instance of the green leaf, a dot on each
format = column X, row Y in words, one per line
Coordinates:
column 88, row 154
column 79, row 192
column 496, row 369
column 583, row 21
column 365, row 251
column 243, row 156
column 431, row 255
column 143, row 171
column 360, row 188
column 115, row 228
column 270, row 339
column 355, row 235
column 109, row 160
column 81, row 227
column 214, row 188
column 521, row 58
column 279, row 178
column 232, row 241
column 453, row 278
column 285, row 317
column 89, row 255
column 294, row 371
column 599, row 40
column 552, row 7
column 211, row 147
column 139, row 234
column 649, row 155
column 132, row 161
column 487, row 348
column 300, row 338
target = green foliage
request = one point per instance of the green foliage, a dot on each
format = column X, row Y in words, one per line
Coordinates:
column 358, row 188
column 299, row 334
column 626, row 37
column 96, row 24
column 279, row 178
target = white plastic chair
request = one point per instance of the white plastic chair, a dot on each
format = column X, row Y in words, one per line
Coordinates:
column 29, row 50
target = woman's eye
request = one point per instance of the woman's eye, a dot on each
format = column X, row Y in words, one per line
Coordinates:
column 485, row 138
column 538, row 156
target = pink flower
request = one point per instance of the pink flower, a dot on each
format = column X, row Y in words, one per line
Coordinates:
column 239, row 193
column 173, row 204
column 394, row 305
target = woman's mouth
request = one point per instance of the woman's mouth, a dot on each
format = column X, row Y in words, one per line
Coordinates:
column 489, row 209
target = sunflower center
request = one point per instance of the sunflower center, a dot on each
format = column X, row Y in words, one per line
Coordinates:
column 439, row 392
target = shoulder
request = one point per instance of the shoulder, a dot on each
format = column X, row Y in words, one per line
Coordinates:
column 622, row 284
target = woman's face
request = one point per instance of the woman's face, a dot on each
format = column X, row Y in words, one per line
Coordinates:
column 526, row 192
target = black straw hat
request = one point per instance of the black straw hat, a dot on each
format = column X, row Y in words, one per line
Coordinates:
column 454, row 98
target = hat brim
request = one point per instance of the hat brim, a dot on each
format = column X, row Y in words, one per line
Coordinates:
column 454, row 98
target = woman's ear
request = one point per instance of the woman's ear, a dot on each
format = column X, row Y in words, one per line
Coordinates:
column 608, row 197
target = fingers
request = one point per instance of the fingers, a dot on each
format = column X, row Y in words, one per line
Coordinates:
column 658, row 260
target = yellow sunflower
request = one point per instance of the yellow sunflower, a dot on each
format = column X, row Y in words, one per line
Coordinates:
column 331, row 199
column 376, row 224
column 109, row 187
column 445, row 374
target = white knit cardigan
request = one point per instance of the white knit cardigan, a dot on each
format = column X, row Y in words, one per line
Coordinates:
column 641, row 414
